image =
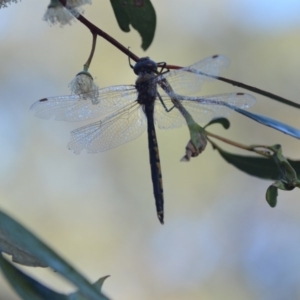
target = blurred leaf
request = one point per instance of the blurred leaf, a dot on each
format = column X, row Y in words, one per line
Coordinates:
column 18, row 254
column 18, row 235
column 26, row 287
column 294, row 132
column 30, row 289
column 223, row 121
column 140, row 14
column 78, row 296
column 257, row 166
column 272, row 191
column 271, row 195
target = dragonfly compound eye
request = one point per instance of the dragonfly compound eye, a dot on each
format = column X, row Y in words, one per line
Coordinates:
column 145, row 65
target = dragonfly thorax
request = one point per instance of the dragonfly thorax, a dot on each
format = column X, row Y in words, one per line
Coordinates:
column 146, row 69
column 145, row 65
column 146, row 88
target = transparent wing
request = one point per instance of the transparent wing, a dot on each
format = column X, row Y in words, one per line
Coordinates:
column 167, row 120
column 85, row 106
column 120, row 127
column 202, row 109
column 189, row 80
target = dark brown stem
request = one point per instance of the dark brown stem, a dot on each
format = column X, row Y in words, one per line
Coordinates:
column 246, row 87
column 95, row 30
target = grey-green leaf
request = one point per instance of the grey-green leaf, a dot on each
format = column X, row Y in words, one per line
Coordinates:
column 18, row 254
column 35, row 247
column 78, row 296
column 25, row 286
column 30, row 289
column 140, row 14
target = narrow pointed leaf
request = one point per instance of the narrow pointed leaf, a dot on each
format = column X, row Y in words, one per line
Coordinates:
column 26, row 287
column 33, row 246
column 78, row 296
column 18, row 254
column 294, row 132
column 138, row 13
column 223, row 121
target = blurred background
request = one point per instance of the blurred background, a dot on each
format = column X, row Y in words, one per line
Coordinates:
column 221, row 240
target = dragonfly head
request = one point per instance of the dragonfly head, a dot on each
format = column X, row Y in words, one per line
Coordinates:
column 145, row 65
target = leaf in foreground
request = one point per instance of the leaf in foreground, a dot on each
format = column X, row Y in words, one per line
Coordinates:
column 30, row 289
column 32, row 245
column 25, row 286
column 78, row 296
column 19, row 255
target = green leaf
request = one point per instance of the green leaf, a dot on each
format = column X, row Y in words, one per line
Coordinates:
column 26, row 287
column 140, row 14
column 271, row 195
column 78, row 296
column 223, row 121
column 20, row 236
column 30, row 289
column 257, row 166
column 18, row 254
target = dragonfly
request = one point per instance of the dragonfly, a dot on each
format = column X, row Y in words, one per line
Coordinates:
column 126, row 111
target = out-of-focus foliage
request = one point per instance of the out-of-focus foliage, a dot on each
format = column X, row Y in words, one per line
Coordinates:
column 26, row 287
column 140, row 14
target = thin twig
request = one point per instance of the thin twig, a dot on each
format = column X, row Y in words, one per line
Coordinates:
column 246, row 87
column 88, row 62
column 238, row 145
column 95, row 30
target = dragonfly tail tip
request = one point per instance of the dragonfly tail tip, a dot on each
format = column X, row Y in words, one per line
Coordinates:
column 161, row 218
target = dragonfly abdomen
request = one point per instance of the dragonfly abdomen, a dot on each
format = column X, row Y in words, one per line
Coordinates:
column 156, row 174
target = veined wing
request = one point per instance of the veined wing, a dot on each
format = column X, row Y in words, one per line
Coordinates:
column 203, row 109
column 120, row 127
column 85, row 106
column 189, row 80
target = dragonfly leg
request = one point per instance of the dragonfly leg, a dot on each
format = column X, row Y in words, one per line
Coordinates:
column 131, row 66
column 162, row 65
column 163, row 103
